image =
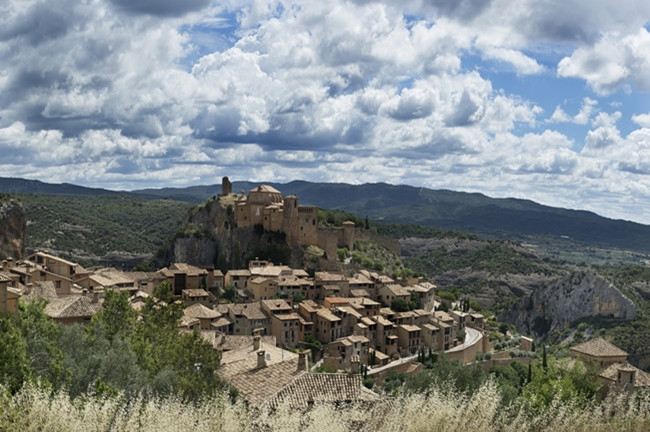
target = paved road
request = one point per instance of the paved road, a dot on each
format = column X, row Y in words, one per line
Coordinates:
column 471, row 336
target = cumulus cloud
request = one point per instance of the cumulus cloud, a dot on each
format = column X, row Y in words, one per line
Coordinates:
column 581, row 118
column 612, row 63
column 160, row 93
column 642, row 120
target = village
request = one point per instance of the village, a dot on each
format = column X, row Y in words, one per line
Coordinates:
column 273, row 324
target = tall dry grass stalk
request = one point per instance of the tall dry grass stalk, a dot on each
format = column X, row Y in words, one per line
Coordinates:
column 441, row 409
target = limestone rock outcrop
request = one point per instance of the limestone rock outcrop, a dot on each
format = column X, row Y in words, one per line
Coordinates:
column 13, row 229
column 210, row 238
column 580, row 295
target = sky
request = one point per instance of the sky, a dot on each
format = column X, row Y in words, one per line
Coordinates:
column 546, row 100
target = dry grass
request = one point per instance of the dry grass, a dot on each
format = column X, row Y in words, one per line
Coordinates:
column 442, row 409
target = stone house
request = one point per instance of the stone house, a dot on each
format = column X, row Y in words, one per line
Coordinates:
column 328, row 284
column 327, row 326
column 342, row 353
column 599, row 352
column 73, row 308
column 237, row 278
column 266, row 377
column 430, row 337
column 43, row 267
column 196, row 295
column 386, row 336
column 408, row 339
column 248, row 316
column 103, row 279
column 389, row 292
column 205, row 315
column 183, row 276
column 8, row 295
column 286, row 325
column 262, row 288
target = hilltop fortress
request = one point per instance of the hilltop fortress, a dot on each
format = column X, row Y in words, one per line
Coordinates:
column 265, row 206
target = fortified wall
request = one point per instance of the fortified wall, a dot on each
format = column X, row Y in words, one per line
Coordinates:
column 267, row 207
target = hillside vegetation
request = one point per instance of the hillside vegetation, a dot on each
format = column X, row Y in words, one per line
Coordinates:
column 87, row 228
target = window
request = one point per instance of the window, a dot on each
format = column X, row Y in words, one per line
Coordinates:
column 57, row 284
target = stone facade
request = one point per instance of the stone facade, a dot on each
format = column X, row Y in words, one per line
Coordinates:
column 265, row 206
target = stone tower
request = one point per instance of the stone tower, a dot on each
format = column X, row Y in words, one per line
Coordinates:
column 226, row 186
column 348, row 234
column 290, row 223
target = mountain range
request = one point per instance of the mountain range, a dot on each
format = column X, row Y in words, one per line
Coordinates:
column 517, row 219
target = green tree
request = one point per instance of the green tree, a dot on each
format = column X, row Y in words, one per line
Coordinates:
column 14, row 365
column 39, row 334
column 117, row 315
column 577, row 384
column 230, row 293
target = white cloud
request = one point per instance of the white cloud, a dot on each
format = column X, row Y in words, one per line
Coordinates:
column 614, row 62
column 642, row 120
column 163, row 93
column 581, row 118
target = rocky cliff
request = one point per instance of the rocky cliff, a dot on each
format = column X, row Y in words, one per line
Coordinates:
column 580, row 295
column 13, row 226
column 210, row 238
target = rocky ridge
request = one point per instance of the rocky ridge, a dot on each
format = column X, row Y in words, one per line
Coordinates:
column 13, row 228
column 579, row 295
column 210, row 238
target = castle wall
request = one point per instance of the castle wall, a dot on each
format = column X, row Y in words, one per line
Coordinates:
column 307, row 223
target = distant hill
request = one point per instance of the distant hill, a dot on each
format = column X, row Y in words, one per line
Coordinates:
column 518, row 219
column 24, row 186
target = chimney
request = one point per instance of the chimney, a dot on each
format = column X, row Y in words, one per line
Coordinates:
column 261, row 359
column 302, row 360
column 10, row 263
column 257, row 339
column 4, row 266
column 95, row 297
column 354, row 364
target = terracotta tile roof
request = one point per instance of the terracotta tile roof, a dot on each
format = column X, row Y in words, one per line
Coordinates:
column 359, row 293
column 255, row 385
column 222, row 321
column 363, row 302
column 265, row 188
column 188, row 321
column 44, row 290
column 308, row 389
column 72, row 307
column 195, row 292
column 327, row 314
column 200, row 311
column 4, row 277
column 410, row 328
column 382, row 320
column 358, row 279
column 252, row 311
column 398, row 290
column 598, row 347
column 238, row 273
column 113, row 276
column 641, row 378
column 276, row 305
column 188, row 269
column 329, row 277
column 231, row 342
column 294, row 281
column 300, row 273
